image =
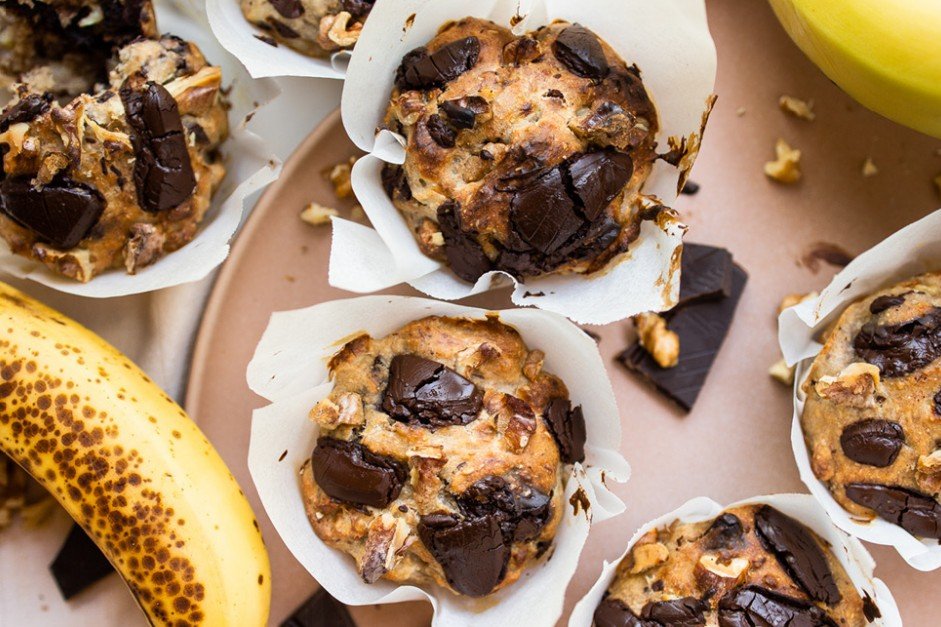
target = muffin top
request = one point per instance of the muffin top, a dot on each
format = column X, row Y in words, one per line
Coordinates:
column 872, row 418
column 524, row 154
column 441, row 455
column 750, row 566
column 317, row 28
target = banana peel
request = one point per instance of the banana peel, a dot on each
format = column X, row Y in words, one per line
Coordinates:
column 132, row 468
column 886, row 55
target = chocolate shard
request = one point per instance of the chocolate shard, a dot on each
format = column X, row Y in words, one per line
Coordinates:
column 421, row 70
column 702, row 328
column 754, row 606
column 395, row 182
column 873, row 442
column 466, row 257
column 598, row 177
column 291, row 9
column 26, row 109
column 705, row 273
column 579, row 50
column 60, row 213
column 901, row 349
column 543, row 215
column 351, row 473
column 614, row 613
column 726, row 532
column 78, row 564
column 882, row 303
column 440, row 131
column 472, row 552
column 916, row 513
column 320, row 610
column 427, row 393
column 682, row 612
column 567, row 426
column 798, row 552
column 163, row 172
column 522, row 512
column 357, row 8
column 463, row 112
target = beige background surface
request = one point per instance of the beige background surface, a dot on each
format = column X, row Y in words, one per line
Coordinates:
column 735, row 444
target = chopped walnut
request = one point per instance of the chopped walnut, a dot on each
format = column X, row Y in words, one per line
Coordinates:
column 646, row 556
column 869, row 168
column 52, row 164
column 854, row 386
column 798, row 108
column 336, row 31
column 532, row 367
column 143, row 247
column 662, row 343
column 426, row 483
column 318, row 215
column 431, row 239
column 786, row 168
column 347, row 410
column 75, row 264
column 387, row 535
column 782, row 373
column 472, row 359
column 727, row 569
column 514, row 418
column 339, row 176
column 928, row 472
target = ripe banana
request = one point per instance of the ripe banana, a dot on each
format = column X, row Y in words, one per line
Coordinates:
column 131, row 467
column 887, row 55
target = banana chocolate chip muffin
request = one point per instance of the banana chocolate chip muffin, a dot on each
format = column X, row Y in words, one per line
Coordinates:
column 872, row 417
column 442, row 455
column 751, row 566
column 317, row 28
column 524, row 154
column 109, row 140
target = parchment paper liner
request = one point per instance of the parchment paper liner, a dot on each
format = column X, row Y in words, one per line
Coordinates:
column 289, row 369
column 237, row 35
column 802, row 507
column 670, row 42
column 911, row 251
column 250, row 165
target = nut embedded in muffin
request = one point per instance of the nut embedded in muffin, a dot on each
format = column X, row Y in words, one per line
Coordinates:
column 110, row 141
column 442, row 455
column 524, row 154
column 872, row 416
column 751, row 565
column 317, row 28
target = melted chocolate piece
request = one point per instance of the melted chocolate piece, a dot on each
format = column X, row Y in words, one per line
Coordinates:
column 878, row 305
column 567, row 426
column 60, row 213
column 870, row 610
column 543, row 215
column 472, row 552
column 26, row 109
column 465, row 255
column 901, row 349
column 916, row 513
column 290, row 9
column 579, row 50
column 320, row 610
column 394, row 181
column 357, row 8
column 351, row 473
column 78, row 564
column 420, row 70
column 440, row 131
column 613, row 613
column 683, row 612
column 598, row 177
column 725, row 532
column 426, row 393
column 705, row 273
column 163, row 173
column 754, row 606
column 521, row 513
column 873, row 442
column 798, row 552
column 463, row 112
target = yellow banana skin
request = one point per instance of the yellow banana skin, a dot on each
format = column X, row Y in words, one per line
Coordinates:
column 131, row 467
column 887, row 55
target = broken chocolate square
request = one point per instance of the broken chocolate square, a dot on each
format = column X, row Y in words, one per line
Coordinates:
column 79, row 564
column 320, row 610
column 705, row 273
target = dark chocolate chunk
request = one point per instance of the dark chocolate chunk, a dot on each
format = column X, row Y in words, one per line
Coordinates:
column 916, row 513
column 878, row 305
column 463, row 112
column 424, row 392
column 598, row 177
column 705, row 273
column 26, row 109
column 521, row 513
column 682, row 612
column 60, row 213
column 163, row 172
column 725, row 532
column 320, row 610
column 937, row 403
column 798, row 552
column 394, row 181
column 290, row 9
column 870, row 610
column 351, row 473
column 543, row 215
column 578, row 49
column 78, row 564
column 613, row 613
column 471, row 552
column 421, row 70
column 440, row 131
column 873, row 442
column 567, row 426
column 901, row 349
column 465, row 255
column 357, row 8
column 702, row 328
column 754, row 606
column 690, row 188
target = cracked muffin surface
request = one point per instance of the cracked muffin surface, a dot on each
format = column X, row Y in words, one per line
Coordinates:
column 872, row 415
column 524, row 154
column 442, row 454
column 317, row 28
column 110, row 152
column 751, row 565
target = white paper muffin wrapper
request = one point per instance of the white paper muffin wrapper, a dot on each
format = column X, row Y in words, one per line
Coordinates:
column 250, row 165
column 669, row 41
column 909, row 252
column 849, row 551
column 289, row 369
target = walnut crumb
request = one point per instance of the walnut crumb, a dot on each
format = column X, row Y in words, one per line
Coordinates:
column 318, row 215
column 662, row 343
column 782, row 373
column 869, row 168
column 786, row 168
column 646, row 556
column 798, row 108
column 855, row 385
column 339, row 175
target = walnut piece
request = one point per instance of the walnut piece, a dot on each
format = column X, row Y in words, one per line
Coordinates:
column 143, row 247
column 339, row 176
column 855, row 385
column 786, row 168
column 347, row 410
column 316, row 214
column 928, row 472
column 337, row 32
column 646, row 556
column 728, row 569
column 781, row 372
column 662, row 343
column 386, row 537
column 798, row 108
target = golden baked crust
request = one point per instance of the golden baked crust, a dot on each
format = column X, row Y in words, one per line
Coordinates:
column 872, row 418
column 317, row 28
column 701, row 571
column 57, row 135
column 491, row 458
column 525, row 154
